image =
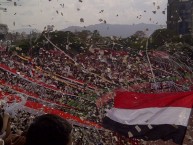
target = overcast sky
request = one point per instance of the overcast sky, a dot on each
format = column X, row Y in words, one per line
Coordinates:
column 39, row 13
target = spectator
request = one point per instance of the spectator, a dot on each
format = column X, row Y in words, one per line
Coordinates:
column 6, row 135
column 2, row 133
column 49, row 130
column 4, row 125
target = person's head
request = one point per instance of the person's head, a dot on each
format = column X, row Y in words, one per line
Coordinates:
column 49, row 130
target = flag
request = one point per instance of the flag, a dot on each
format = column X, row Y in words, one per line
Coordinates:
column 150, row 116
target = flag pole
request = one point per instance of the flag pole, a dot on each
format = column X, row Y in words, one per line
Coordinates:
column 148, row 59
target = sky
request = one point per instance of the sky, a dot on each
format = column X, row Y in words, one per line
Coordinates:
column 64, row 13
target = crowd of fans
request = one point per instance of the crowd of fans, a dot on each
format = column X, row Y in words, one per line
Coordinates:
column 74, row 84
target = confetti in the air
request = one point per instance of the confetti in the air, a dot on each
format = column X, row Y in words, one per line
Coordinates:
column 81, row 20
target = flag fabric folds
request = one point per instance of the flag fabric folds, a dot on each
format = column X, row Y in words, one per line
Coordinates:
column 150, row 116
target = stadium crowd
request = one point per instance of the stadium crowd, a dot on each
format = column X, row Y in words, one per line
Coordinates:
column 74, row 85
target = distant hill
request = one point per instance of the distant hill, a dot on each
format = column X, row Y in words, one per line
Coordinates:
column 26, row 30
column 107, row 29
column 117, row 30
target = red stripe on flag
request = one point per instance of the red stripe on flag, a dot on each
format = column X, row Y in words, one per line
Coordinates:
column 131, row 100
